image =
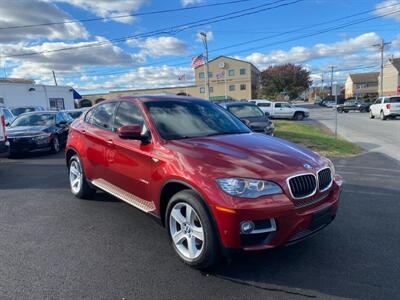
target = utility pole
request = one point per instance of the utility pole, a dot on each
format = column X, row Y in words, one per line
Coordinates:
column 332, row 67
column 54, row 77
column 336, row 101
column 322, row 86
column 204, row 39
column 381, row 47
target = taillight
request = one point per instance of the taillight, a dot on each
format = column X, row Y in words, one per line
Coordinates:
column 388, row 106
column 3, row 124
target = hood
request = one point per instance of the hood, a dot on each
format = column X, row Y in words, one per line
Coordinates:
column 301, row 109
column 27, row 131
column 247, row 155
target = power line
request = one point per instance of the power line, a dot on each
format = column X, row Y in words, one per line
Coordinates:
column 126, row 15
column 173, row 29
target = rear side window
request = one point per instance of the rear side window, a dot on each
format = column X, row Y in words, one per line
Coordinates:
column 394, row 100
column 128, row 114
column 264, row 104
column 102, row 116
column 278, row 104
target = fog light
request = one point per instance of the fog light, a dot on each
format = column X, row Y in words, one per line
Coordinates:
column 246, row 227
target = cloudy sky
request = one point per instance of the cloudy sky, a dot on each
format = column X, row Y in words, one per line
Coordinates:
column 102, row 45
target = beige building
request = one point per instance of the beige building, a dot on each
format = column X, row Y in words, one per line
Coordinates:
column 230, row 78
column 361, row 85
column 391, row 77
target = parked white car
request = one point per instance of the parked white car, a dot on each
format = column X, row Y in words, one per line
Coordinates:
column 281, row 110
column 385, row 107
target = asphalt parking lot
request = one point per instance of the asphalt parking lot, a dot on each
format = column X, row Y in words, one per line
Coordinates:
column 53, row 245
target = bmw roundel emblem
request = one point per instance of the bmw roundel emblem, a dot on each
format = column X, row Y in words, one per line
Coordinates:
column 307, row 166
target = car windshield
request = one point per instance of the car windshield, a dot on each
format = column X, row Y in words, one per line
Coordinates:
column 34, row 120
column 245, row 111
column 21, row 110
column 394, row 100
column 189, row 119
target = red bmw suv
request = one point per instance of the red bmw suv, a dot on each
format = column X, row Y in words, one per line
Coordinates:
column 213, row 183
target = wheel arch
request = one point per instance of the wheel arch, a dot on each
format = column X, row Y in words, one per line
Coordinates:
column 68, row 154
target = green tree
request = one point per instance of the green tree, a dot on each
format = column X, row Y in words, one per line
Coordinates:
column 287, row 79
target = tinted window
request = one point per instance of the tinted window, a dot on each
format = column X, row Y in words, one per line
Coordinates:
column 264, row 104
column 21, row 110
column 102, row 116
column 7, row 115
column 181, row 119
column 394, row 100
column 243, row 111
column 278, row 104
column 127, row 114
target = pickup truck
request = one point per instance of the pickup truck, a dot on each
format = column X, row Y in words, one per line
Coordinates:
column 353, row 105
column 282, row 110
column 385, row 107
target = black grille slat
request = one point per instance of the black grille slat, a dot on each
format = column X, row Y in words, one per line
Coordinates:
column 324, row 178
column 302, row 185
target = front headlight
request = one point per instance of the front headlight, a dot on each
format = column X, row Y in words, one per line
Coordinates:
column 248, row 188
column 42, row 139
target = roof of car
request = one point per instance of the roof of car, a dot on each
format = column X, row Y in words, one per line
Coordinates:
column 156, row 97
column 238, row 103
column 40, row 112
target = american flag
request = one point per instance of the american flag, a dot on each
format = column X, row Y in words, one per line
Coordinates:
column 220, row 75
column 182, row 77
column 197, row 61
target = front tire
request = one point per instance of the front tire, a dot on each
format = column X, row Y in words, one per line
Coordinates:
column 55, row 145
column 371, row 115
column 191, row 231
column 299, row 116
column 77, row 179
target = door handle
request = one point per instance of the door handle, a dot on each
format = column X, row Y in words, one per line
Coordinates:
column 110, row 142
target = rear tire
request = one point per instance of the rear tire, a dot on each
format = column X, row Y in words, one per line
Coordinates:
column 382, row 116
column 299, row 116
column 191, row 230
column 80, row 187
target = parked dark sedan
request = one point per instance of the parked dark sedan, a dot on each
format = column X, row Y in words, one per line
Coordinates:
column 353, row 105
column 38, row 131
column 251, row 115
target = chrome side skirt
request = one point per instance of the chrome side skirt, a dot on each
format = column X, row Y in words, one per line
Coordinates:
column 137, row 202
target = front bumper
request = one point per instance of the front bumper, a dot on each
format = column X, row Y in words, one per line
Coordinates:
column 292, row 223
column 4, row 147
column 26, row 145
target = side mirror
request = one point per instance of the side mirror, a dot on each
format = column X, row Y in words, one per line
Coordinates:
column 132, row 132
column 267, row 114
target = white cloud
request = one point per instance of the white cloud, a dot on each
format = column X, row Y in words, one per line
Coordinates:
column 210, row 36
column 299, row 54
column 191, row 2
column 143, row 77
column 160, row 46
column 388, row 7
column 40, row 65
column 26, row 12
column 108, row 8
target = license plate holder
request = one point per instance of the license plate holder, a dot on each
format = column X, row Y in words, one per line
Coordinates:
column 321, row 218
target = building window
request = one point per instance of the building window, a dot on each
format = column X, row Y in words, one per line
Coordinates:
column 211, row 89
column 232, row 87
column 242, row 87
column 231, row 72
column 201, row 75
column 210, row 74
column 202, row 90
column 242, row 71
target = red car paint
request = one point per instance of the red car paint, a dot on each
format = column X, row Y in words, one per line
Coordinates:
column 143, row 170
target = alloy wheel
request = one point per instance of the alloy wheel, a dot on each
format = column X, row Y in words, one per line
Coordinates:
column 56, row 144
column 186, row 231
column 75, row 176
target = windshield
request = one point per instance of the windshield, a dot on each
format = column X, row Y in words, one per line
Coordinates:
column 187, row 119
column 34, row 120
column 245, row 111
column 21, row 110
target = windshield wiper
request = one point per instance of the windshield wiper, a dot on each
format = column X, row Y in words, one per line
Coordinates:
column 226, row 132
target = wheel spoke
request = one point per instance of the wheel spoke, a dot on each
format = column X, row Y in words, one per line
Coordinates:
column 198, row 233
column 75, row 182
column 189, row 214
column 178, row 237
column 192, row 249
column 178, row 217
column 74, row 171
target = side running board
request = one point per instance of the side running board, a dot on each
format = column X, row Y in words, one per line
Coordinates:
column 137, row 202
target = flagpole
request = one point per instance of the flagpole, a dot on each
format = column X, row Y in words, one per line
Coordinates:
column 226, row 95
column 185, row 86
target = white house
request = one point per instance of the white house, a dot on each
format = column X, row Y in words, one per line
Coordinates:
column 23, row 92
